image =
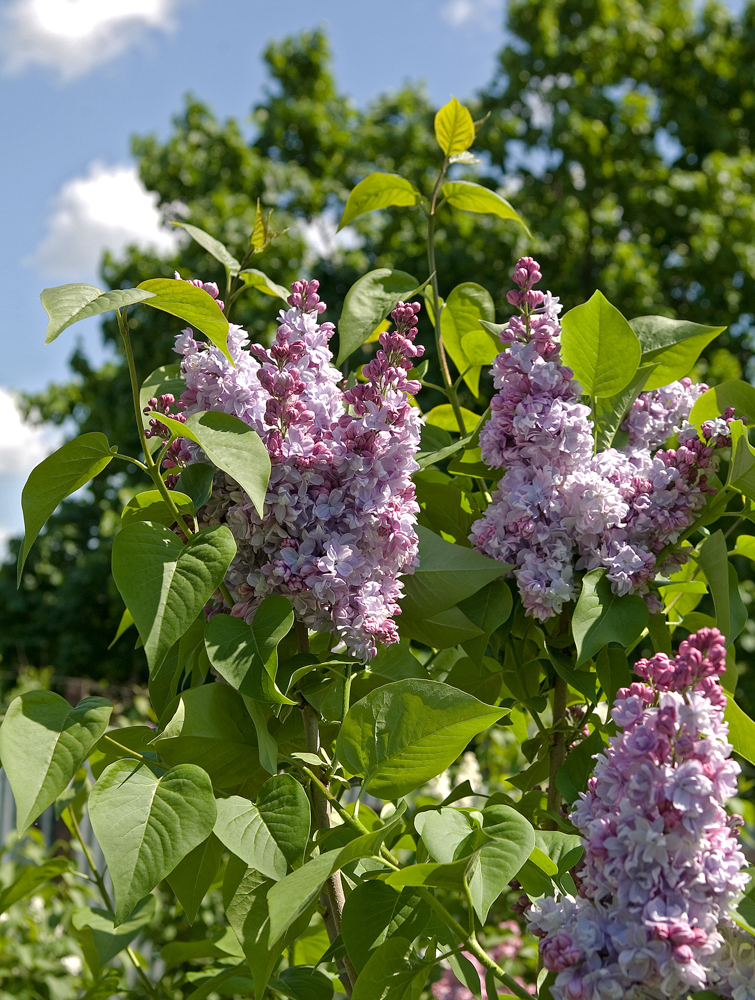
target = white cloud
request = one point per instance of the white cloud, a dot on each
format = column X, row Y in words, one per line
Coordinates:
column 22, row 445
column 109, row 208
column 73, row 36
column 486, row 13
column 323, row 239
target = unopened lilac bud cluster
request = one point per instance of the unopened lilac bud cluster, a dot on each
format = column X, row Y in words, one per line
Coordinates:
column 161, row 404
column 559, row 508
column 338, row 524
column 662, row 864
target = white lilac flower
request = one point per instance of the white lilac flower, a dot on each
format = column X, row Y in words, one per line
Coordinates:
column 338, row 525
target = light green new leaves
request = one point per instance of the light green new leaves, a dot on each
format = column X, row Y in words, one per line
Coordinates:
column 468, row 343
column 601, row 617
column 232, row 446
column 600, row 346
column 734, row 392
column 454, row 128
column 67, row 304
column 674, row 345
column 147, row 825
column 246, row 655
column 43, row 743
column 293, row 895
column 402, row 734
column 164, row 583
column 507, row 842
column 367, row 303
column 272, row 834
column 57, row 477
column 475, row 198
column 379, row 191
column 446, row 574
column 190, row 303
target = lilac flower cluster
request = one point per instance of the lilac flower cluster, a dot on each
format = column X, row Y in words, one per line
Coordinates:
column 558, row 507
column 338, row 524
column 662, row 863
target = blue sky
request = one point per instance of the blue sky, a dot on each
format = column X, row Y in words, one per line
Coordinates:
column 79, row 77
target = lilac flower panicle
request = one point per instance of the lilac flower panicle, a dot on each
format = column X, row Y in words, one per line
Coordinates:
column 662, row 864
column 338, row 524
column 559, row 508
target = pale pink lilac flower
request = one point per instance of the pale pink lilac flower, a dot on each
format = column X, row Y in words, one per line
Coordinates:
column 662, row 863
column 338, row 524
column 559, row 508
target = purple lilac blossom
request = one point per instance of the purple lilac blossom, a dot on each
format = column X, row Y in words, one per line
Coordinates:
column 559, row 508
column 338, row 524
column 662, row 864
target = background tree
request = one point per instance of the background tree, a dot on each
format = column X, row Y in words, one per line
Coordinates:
column 621, row 134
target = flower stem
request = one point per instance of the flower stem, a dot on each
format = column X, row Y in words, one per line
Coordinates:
column 558, row 742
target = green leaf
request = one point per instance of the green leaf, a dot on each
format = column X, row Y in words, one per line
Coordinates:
column 146, row 825
column 724, row 586
column 600, row 346
column 232, row 446
column 562, row 849
column 31, row 878
column 375, row 912
column 468, row 343
column 67, row 304
column 741, row 730
column 196, row 482
column 573, row 776
column 150, row 506
column 475, row 198
column 673, row 344
column 190, row 303
column 734, row 392
column 165, row 379
column 57, row 477
column 271, row 835
column 97, row 934
column 446, row 508
column 293, row 895
column 256, row 279
column 396, row 662
column 389, row 975
column 367, row 302
column 123, row 626
column 613, row 671
column 608, row 412
column 247, row 655
column 212, row 246
column 489, row 608
column 403, row 734
column 210, row 726
column 43, row 743
column 441, row 630
column 300, row 982
column 440, row 876
column 191, row 878
column 446, row 575
column 165, row 583
column 379, row 191
column 443, row 416
column 454, row 128
column 601, row 617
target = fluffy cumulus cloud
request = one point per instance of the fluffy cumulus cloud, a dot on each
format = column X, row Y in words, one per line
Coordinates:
column 480, row 13
column 107, row 209
column 73, row 36
column 323, row 239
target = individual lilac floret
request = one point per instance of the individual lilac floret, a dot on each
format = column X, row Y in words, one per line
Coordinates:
column 559, row 508
column 662, row 864
column 338, row 525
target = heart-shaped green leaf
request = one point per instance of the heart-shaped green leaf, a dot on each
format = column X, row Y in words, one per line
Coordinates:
column 402, row 734
column 247, row 655
column 466, row 306
column 147, row 825
column 150, row 506
column 272, row 834
column 43, row 743
column 601, row 616
column 191, row 878
column 57, row 477
column 367, row 302
column 164, row 583
column 67, row 304
column 191, row 303
column 600, row 345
